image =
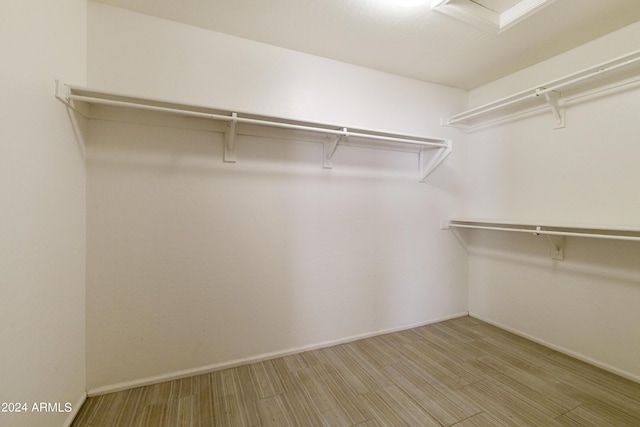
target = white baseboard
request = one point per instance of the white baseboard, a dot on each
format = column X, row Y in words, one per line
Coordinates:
column 75, row 409
column 579, row 356
column 261, row 357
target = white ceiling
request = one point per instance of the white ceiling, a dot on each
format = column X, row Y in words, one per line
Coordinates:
column 410, row 41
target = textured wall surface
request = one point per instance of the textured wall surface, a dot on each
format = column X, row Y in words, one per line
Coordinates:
column 584, row 173
column 42, row 211
column 194, row 263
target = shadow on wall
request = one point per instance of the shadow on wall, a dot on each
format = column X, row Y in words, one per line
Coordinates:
column 606, row 259
column 585, row 305
column 189, row 255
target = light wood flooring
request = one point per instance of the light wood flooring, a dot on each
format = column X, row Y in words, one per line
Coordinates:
column 461, row 373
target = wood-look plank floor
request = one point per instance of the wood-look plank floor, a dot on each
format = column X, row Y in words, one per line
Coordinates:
column 462, row 373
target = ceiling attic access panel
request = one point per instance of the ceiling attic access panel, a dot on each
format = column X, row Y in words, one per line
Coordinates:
column 431, row 151
column 492, row 16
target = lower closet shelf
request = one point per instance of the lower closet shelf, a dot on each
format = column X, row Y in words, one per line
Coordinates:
column 554, row 233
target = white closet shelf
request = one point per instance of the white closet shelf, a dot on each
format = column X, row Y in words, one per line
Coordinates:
column 431, row 150
column 545, row 95
column 554, row 233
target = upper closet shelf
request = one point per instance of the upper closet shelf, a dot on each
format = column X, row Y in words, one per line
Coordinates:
column 554, row 233
column 431, row 151
column 545, row 95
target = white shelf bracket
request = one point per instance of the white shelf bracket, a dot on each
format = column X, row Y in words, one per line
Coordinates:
column 428, row 164
column 553, row 100
column 557, row 244
column 330, row 148
column 230, row 140
column 62, row 92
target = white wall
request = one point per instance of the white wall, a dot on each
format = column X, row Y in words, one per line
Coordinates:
column 194, row 263
column 42, row 210
column 585, row 173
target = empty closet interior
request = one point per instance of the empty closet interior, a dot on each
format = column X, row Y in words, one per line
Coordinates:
column 179, row 201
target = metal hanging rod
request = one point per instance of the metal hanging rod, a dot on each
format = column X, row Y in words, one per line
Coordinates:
column 554, row 234
column 551, row 230
column 431, row 151
column 548, row 87
column 360, row 133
